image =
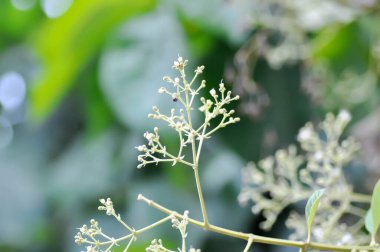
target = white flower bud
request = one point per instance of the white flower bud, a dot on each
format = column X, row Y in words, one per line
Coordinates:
column 221, row 87
column 222, row 111
column 199, row 70
column 213, row 92
column 203, row 84
column 344, row 116
column 304, row 134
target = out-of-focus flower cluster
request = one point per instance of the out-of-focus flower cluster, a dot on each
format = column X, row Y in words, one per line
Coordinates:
column 293, row 20
column 287, row 177
column 185, row 92
column 325, row 87
column 284, row 35
column 156, row 246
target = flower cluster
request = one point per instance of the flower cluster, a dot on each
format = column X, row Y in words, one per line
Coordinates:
column 156, row 246
column 288, row 177
column 181, row 225
column 92, row 233
column 185, row 92
column 107, row 206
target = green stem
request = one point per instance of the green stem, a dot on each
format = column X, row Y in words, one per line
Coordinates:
column 357, row 197
column 194, row 151
column 200, row 195
column 256, row 238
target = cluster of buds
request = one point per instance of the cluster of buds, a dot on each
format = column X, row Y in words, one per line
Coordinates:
column 180, row 63
column 154, row 146
column 181, row 120
column 181, row 225
column 156, row 246
column 107, row 206
column 216, row 107
column 90, row 232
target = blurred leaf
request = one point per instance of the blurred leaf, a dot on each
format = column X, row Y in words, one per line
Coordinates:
column 16, row 24
column 66, row 44
column 331, row 45
column 375, row 208
column 311, row 209
column 227, row 19
column 97, row 113
column 136, row 59
column 369, row 222
column 84, row 170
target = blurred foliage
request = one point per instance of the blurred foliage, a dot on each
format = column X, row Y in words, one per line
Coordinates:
column 92, row 75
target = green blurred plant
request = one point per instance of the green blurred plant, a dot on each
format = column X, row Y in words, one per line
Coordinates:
column 325, row 157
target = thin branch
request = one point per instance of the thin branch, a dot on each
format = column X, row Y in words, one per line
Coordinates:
column 256, row 238
column 360, row 198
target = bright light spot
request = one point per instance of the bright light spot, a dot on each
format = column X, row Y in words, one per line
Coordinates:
column 12, row 90
column 6, row 132
column 23, row 4
column 55, row 8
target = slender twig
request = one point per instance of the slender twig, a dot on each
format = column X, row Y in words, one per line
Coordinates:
column 357, row 197
column 256, row 238
column 193, row 149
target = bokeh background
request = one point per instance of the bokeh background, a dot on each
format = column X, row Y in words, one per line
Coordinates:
column 78, row 77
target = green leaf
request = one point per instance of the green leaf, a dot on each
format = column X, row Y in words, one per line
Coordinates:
column 68, row 43
column 375, row 206
column 331, row 46
column 311, row 209
column 369, row 222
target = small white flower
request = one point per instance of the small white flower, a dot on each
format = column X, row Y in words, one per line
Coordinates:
column 213, row 92
column 141, row 148
column 304, row 134
column 344, row 116
column 180, row 63
column 221, row 87
column 199, row 70
column 318, row 156
column 346, row 239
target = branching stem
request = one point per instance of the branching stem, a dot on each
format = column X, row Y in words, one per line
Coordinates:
column 256, row 238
